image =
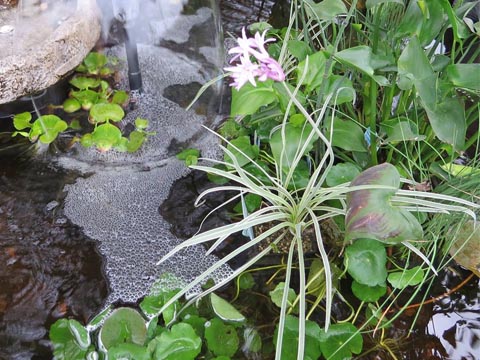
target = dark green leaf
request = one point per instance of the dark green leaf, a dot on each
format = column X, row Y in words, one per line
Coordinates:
column 222, row 339
column 153, row 302
column 465, row 75
column 366, row 262
column 312, row 75
column 291, row 336
column 341, row 341
column 372, row 3
column 347, row 135
column 400, row 129
column 124, row 325
column 70, row 340
column 277, row 294
column 129, row 352
column 246, row 281
column 299, row 49
column 252, row 203
column 368, row 293
column 341, row 173
column 326, row 10
column 249, row 98
column 253, row 341
column 179, row 343
column 407, row 277
column 242, row 150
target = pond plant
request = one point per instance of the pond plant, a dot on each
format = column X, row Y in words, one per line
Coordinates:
column 351, row 119
column 91, row 92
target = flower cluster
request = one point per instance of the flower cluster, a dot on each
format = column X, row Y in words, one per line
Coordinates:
column 253, row 61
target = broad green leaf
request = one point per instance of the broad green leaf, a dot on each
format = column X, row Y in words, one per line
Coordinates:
column 407, row 277
column 246, row 281
column 341, row 341
column 222, row 339
column 341, row 174
column 69, row 339
column 22, row 121
column 400, row 129
column 465, row 75
column 368, row 293
column 106, row 136
column 120, row 97
column 300, row 176
column 224, row 310
column 153, row 302
column 299, row 49
column 48, row 127
column 314, row 74
column 179, row 343
column 87, row 98
column 341, row 89
column 284, row 99
column 291, row 335
column 372, row 3
column 124, row 325
column 459, row 28
column 365, row 261
column 141, row 124
column 71, row 105
column 277, row 294
column 129, row 352
column 184, row 154
column 361, row 58
column 460, row 170
column 465, row 247
column 104, row 112
column 448, row 122
column 82, row 82
column 197, row 322
column 249, row 98
column 287, row 144
column 94, row 61
column 370, row 213
column 347, row 135
column 326, row 9
column 231, row 129
column 252, row 203
column 242, row 150
column 98, row 319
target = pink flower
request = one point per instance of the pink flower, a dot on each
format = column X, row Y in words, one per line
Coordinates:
column 262, row 67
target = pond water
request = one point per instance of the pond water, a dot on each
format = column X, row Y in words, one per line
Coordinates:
column 81, row 229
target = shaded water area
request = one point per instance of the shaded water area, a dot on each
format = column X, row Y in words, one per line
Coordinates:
column 81, row 229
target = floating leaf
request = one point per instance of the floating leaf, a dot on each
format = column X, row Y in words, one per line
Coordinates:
column 368, row 293
column 141, row 124
column 179, row 343
column 370, row 213
column 124, row 325
column 106, row 136
column 365, row 261
column 22, row 121
column 94, row 61
column 222, row 339
column 465, row 248
column 71, row 105
column 47, row 127
column 103, row 112
column 153, row 302
column 277, row 294
column 120, row 97
column 86, row 97
column 341, row 341
column 135, row 141
column 189, row 156
column 224, row 310
column 129, row 352
column 83, row 83
column 407, row 277
column 70, row 340
column 291, row 336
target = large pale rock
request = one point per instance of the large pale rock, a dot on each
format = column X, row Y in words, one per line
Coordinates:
column 38, row 48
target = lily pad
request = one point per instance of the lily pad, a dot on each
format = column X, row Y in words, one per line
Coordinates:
column 70, row 340
column 104, row 112
column 407, row 277
column 370, row 214
column 106, row 136
column 179, row 343
column 366, row 261
column 124, row 325
column 341, row 341
column 222, row 339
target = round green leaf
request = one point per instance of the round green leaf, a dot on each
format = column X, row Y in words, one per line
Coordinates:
column 242, row 150
column 407, row 277
column 366, row 262
column 48, row 127
column 71, row 105
column 124, row 325
column 82, row 82
column 136, row 140
column 86, row 97
column 127, row 351
column 224, row 310
column 22, row 121
column 253, row 341
column 221, row 339
column 368, row 293
column 106, row 136
column 120, row 97
column 277, row 294
column 104, row 111
column 291, row 335
column 70, row 340
column 341, row 173
column 179, row 343
column 341, row 341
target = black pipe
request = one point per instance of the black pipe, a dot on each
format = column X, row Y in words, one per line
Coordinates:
column 134, row 73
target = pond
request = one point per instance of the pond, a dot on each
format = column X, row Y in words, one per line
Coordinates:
column 80, row 229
